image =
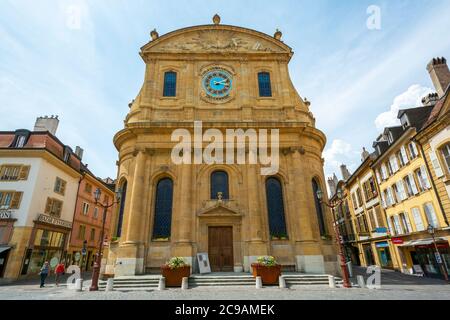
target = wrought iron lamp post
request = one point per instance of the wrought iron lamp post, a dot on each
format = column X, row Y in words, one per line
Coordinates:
column 432, row 230
column 332, row 205
column 98, row 261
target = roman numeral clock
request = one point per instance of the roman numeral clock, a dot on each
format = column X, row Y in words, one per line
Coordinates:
column 217, row 85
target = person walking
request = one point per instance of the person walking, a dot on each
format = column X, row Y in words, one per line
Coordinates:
column 59, row 271
column 45, row 270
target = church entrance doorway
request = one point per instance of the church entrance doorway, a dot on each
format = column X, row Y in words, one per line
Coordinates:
column 220, row 249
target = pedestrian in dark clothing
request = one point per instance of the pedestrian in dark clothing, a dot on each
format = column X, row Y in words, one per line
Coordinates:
column 45, row 270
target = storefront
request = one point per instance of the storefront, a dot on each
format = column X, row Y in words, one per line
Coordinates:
column 47, row 243
column 368, row 254
column 384, row 254
column 6, row 230
column 422, row 258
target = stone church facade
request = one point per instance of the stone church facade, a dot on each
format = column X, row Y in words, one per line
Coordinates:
column 227, row 77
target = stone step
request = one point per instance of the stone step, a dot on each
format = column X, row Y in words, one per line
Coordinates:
column 222, row 284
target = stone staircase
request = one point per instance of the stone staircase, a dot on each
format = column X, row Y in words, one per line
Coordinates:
column 137, row 283
column 228, row 280
column 150, row 282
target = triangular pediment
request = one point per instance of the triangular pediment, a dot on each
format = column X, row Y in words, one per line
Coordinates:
column 216, row 39
column 219, row 209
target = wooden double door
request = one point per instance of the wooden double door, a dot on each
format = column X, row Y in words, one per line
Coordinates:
column 220, row 249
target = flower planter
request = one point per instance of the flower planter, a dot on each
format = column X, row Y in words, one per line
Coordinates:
column 269, row 275
column 174, row 277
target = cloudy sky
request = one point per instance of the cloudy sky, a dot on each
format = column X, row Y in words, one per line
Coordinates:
column 79, row 59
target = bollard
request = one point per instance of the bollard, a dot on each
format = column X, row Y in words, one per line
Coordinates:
column 282, row 282
column 79, row 285
column 185, row 283
column 331, row 282
column 361, row 281
column 258, row 283
column 110, row 285
column 162, row 284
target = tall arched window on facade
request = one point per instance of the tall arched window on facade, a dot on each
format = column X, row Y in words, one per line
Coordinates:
column 163, row 209
column 121, row 209
column 219, row 183
column 170, row 84
column 319, row 211
column 265, row 87
column 275, row 207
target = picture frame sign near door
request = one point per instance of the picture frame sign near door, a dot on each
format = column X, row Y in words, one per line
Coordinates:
column 203, row 263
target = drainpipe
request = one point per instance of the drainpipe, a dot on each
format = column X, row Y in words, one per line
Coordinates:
column 432, row 182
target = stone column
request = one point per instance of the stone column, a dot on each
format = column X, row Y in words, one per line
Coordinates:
column 130, row 257
column 184, row 220
column 308, row 252
column 256, row 245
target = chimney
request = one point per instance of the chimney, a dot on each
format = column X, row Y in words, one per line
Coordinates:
column 345, row 173
column 439, row 74
column 364, row 155
column 79, row 152
column 332, row 185
column 430, row 100
column 46, row 123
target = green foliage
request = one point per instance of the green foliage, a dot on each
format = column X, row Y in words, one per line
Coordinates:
column 267, row 261
column 176, row 263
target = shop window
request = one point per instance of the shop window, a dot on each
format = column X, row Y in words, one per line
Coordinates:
column 219, row 183
column 170, row 84
column 265, row 86
column 14, row 172
column 53, row 207
column 163, row 210
column 60, row 186
column 275, row 207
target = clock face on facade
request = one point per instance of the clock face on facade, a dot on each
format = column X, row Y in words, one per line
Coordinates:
column 217, row 84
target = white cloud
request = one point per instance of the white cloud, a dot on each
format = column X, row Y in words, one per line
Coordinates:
column 409, row 99
column 340, row 152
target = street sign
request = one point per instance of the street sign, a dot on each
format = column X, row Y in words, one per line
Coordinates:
column 83, row 251
column 438, row 257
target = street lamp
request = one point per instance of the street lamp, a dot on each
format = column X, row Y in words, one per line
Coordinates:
column 432, row 230
column 333, row 205
column 98, row 261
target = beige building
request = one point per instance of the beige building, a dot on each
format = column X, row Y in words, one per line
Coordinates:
column 229, row 78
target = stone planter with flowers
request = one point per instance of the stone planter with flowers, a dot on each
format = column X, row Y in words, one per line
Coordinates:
column 268, row 269
column 174, row 271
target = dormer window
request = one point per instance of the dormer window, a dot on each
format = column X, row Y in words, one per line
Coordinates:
column 404, row 121
column 20, row 139
column 66, row 155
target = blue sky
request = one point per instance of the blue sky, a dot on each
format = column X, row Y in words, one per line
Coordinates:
column 87, row 70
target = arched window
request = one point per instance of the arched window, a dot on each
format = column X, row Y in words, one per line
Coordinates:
column 275, row 207
column 265, row 87
column 319, row 211
column 170, row 84
column 163, row 209
column 219, row 183
column 121, row 209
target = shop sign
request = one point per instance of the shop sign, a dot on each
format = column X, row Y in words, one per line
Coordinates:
column 6, row 214
column 438, row 257
column 380, row 230
column 54, row 221
column 397, row 241
column 382, row 245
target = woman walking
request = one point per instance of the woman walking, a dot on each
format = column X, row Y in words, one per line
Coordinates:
column 59, row 271
column 44, row 273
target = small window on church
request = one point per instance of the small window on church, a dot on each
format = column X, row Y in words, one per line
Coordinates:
column 170, row 84
column 219, row 185
column 265, row 88
column 163, row 210
column 319, row 211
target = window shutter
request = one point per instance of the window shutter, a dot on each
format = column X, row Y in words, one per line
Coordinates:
column 24, row 171
column 378, row 177
column 413, row 183
column 63, row 187
column 426, row 180
column 436, row 165
column 383, row 200
column 16, row 199
column 48, row 206
column 58, row 208
column 404, row 155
